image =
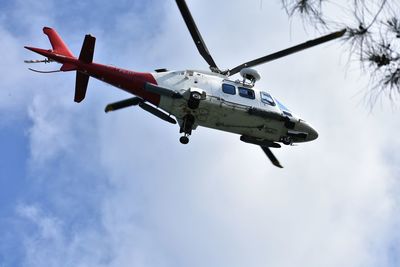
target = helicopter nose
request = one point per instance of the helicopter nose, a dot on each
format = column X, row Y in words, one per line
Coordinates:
column 312, row 133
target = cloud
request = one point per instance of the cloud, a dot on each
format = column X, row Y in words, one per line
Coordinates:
column 217, row 202
column 49, row 244
column 49, row 227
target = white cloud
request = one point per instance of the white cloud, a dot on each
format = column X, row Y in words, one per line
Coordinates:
column 49, row 227
column 52, row 245
column 217, row 201
column 11, row 64
column 19, row 85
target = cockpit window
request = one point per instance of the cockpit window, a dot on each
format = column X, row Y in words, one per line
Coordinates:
column 228, row 89
column 246, row 92
column 284, row 109
column 267, row 98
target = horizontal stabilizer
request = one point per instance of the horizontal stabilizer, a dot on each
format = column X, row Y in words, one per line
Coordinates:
column 157, row 113
column 134, row 101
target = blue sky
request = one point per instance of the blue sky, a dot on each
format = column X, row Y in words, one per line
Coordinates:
column 82, row 188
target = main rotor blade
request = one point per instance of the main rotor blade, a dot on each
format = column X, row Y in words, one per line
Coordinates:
column 194, row 31
column 271, row 156
column 288, row 51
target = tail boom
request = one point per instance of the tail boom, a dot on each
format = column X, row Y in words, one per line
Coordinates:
column 129, row 81
column 59, row 52
column 69, row 63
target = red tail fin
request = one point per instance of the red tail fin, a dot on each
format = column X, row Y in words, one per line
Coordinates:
column 57, row 43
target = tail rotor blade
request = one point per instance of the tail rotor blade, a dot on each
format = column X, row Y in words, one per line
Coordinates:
column 271, row 156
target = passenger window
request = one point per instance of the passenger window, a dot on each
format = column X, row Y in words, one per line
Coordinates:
column 284, row 109
column 246, row 92
column 267, row 99
column 228, row 89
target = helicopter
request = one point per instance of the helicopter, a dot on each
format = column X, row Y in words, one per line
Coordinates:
column 192, row 98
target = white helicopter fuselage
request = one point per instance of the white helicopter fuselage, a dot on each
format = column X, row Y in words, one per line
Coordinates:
column 232, row 106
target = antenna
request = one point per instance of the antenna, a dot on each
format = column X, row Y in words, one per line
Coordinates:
column 47, row 60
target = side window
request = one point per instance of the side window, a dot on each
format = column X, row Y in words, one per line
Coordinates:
column 284, row 109
column 267, row 99
column 228, row 89
column 246, row 92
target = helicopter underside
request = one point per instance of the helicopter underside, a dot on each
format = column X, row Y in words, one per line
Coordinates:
column 216, row 113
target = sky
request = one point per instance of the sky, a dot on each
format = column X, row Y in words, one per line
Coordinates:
column 79, row 187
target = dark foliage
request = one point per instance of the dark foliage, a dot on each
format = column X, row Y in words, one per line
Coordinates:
column 373, row 36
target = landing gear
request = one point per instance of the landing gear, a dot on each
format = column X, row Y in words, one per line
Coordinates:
column 184, row 140
column 186, row 128
column 188, row 120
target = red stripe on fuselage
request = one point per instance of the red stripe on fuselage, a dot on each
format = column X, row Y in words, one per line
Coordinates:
column 129, row 81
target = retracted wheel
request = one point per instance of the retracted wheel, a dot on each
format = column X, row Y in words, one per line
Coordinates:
column 194, row 100
column 196, row 95
column 184, row 140
column 287, row 140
